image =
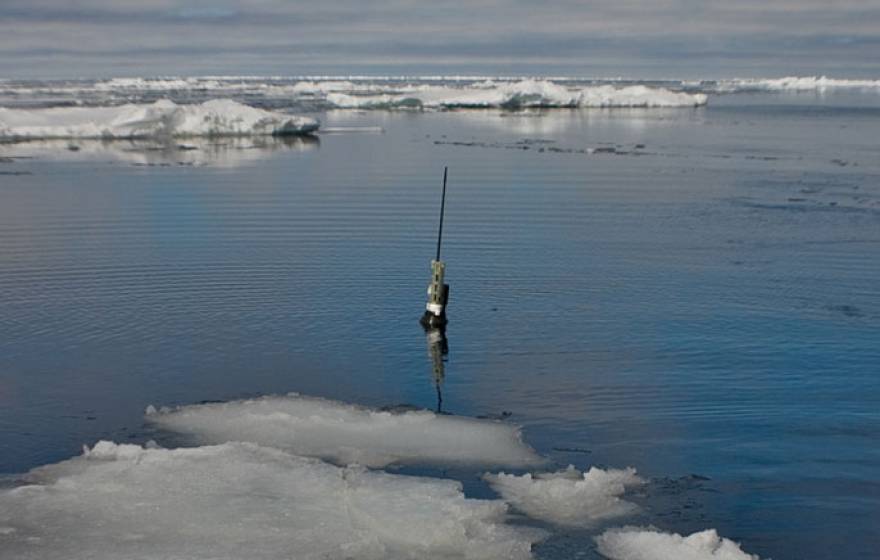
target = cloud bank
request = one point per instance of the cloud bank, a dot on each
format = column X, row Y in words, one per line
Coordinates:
column 637, row 38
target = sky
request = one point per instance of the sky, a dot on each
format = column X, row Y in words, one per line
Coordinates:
column 685, row 39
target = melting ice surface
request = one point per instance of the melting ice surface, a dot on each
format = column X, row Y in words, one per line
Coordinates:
column 164, row 118
column 633, row 543
column 347, row 434
column 568, row 497
column 240, row 500
column 260, row 498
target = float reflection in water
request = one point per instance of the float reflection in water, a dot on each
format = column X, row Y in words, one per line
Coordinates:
column 438, row 351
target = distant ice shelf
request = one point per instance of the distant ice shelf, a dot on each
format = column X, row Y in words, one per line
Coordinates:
column 219, row 117
column 347, row 434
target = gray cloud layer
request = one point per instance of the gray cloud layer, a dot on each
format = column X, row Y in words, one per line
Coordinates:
column 640, row 38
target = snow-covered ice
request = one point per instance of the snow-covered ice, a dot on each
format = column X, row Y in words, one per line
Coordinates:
column 320, row 93
column 796, row 83
column 240, row 500
column 347, row 434
column 568, row 497
column 635, row 543
column 164, row 118
column 520, row 94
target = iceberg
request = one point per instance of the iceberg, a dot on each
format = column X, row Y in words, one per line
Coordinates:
column 568, row 497
column 240, row 500
column 348, row 434
column 634, row 543
column 219, row 117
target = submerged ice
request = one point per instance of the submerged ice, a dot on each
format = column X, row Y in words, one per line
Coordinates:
column 164, row 118
column 568, row 497
column 347, row 434
column 634, row 543
column 240, row 500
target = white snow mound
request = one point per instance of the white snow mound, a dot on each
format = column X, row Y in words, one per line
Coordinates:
column 239, row 500
column 521, row 94
column 348, row 434
column 218, row 117
column 568, row 497
column 634, row 543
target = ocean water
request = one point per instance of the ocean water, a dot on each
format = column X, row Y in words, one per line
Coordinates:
column 691, row 291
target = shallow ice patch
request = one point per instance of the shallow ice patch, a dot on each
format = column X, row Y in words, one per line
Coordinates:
column 240, row 500
column 219, row 117
column 347, row 434
column 520, row 94
column 634, row 543
column 568, row 497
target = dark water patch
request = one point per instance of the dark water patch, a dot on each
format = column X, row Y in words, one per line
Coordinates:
column 846, row 310
column 803, row 205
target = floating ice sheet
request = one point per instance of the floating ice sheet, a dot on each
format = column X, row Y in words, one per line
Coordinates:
column 524, row 93
column 219, row 117
column 795, row 83
column 240, row 500
column 568, row 497
column 633, row 543
column 347, row 434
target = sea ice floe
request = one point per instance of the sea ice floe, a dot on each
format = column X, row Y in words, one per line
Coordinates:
column 240, row 500
column 795, row 83
column 568, row 497
column 164, row 118
column 347, row 434
column 520, row 94
column 635, row 543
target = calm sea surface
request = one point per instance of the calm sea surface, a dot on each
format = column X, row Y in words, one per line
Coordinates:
column 701, row 303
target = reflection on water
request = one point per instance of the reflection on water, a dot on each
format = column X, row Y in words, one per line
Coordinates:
column 438, row 350
column 196, row 151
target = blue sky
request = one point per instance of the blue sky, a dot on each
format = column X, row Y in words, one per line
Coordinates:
column 630, row 38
